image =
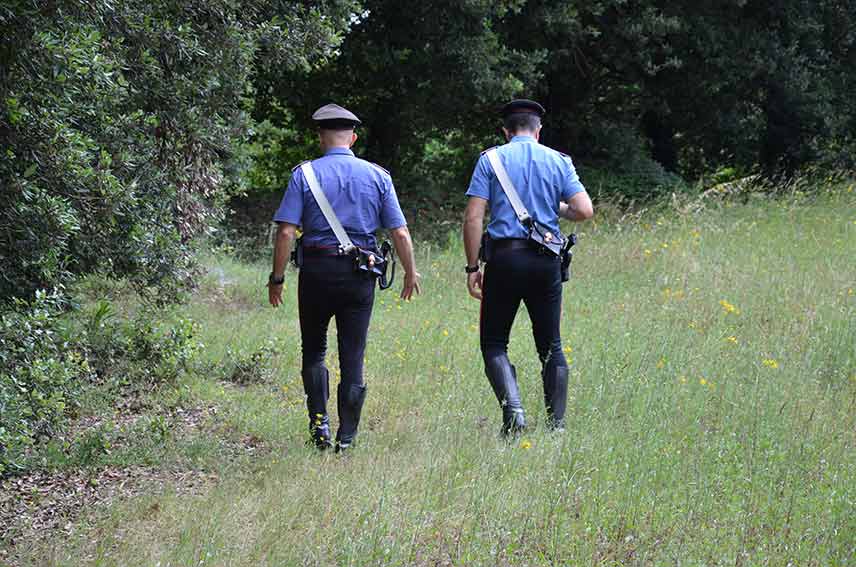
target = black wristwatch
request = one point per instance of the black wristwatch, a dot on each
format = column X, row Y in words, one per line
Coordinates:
column 472, row 269
column 276, row 281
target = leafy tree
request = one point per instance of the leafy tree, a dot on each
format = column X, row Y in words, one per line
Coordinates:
column 414, row 71
column 118, row 124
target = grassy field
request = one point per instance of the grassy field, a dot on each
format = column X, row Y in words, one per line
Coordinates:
column 711, row 418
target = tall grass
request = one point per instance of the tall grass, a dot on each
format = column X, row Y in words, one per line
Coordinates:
column 711, row 418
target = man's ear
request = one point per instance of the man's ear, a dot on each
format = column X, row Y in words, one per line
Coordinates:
column 353, row 139
column 507, row 134
column 538, row 132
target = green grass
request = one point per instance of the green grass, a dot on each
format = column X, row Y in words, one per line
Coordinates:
column 711, row 418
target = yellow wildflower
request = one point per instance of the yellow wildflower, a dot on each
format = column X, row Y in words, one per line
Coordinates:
column 569, row 349
column 728, row 307
column 682, row 379
column 702, row 381
column 445, row 332
column 661, row 363
column 771, row 363
column 525, row 444
column 647, row 252
column 732, row 339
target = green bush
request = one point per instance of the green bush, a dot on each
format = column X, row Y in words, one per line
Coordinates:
column 251, row 367
column 137, row 352
column 39, row 376
column 47, row 357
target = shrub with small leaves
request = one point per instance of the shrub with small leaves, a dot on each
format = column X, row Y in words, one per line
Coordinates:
column 254, row 367
column 39, row 376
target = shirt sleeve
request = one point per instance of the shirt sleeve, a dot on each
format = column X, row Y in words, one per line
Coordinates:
column 571, row 181
column 480, row 182
column 390, row 210
column 291, row 207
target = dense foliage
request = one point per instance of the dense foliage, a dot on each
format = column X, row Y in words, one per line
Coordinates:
column 642, row 90
column 118, row 124
column 119, row 131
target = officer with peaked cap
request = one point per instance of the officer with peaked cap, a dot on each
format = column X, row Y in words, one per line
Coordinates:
column 518, row 268
column 362, row 197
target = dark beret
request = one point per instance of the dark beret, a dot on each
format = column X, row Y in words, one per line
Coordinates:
column 523, row 106
column 334, row 117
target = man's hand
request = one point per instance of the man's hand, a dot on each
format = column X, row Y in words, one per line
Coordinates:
column 474, row 284
column 275, row 294
column 404, row 249
column 472, row 229
column 411, row 284
column 281, row 250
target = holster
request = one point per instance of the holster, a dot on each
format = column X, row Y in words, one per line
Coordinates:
column 567, row 255
column 376, row 264
column 297, row 253
column 486, row 248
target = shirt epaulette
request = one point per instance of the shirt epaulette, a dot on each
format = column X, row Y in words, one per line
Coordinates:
column 489, row 149
column 376, row 166
column 293, row 169
column 565, row 156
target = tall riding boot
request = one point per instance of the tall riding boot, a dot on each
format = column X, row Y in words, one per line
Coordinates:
column 350, row 404
column 316, row 384
column 503, row 378
column 555, row 395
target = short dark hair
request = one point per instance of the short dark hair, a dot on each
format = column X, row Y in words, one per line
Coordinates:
column 521, row 121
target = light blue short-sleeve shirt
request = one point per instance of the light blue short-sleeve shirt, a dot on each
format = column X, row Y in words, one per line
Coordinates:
column 361, row 194
column 542, row 176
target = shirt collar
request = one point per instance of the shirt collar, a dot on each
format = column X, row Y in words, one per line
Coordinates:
column 339, row 152
column 529, row 139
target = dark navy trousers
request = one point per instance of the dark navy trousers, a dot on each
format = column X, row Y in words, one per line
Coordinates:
column 512, row 276
column 329, row 287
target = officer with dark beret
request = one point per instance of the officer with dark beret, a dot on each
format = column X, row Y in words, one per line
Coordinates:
column 362, row 197
column 518, row 268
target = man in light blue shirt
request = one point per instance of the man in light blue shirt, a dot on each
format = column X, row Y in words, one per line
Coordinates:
column 362, row 197
column 516, row 269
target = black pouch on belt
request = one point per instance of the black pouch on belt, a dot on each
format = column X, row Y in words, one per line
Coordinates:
column 486, row 248
column 376, row 264
column 568, row 255
column 544, row 239
column 297, row 253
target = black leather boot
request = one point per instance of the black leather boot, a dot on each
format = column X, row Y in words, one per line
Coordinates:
column 503, row 378
column 316, row 384
column 555, row 395
column 350, row 404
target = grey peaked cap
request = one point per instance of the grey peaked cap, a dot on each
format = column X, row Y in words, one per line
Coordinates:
column 335, row 112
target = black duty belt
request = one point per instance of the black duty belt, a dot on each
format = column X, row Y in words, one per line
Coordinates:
column 509, row 244
column 310, row 252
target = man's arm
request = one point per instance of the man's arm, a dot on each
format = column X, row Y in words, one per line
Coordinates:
column 577, row 208
column 404, row 250
column 281, row 250
column 473, row 227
